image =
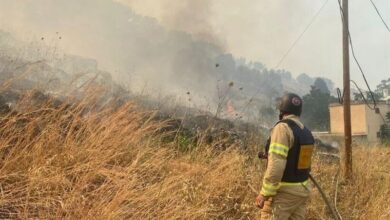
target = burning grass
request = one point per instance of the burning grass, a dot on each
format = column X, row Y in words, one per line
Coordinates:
column 80, row 160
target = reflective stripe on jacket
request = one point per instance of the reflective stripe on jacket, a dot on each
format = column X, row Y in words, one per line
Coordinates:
column 282, row 139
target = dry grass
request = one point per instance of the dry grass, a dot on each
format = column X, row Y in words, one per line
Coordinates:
column 78, row 160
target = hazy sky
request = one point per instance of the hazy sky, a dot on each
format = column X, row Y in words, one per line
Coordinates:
column 258, row 30
column 263, row 30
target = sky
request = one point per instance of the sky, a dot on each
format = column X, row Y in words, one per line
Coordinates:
column 263, row 30
column 257, row 30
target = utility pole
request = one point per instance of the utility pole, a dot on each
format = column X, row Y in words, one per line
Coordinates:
column 347, row 95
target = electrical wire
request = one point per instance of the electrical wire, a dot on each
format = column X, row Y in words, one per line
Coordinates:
column 301, row 35
column 354, row 55
column 364, row 98
column 289, row 50
column 379, row 14
column 340, row 97
column 377, row 110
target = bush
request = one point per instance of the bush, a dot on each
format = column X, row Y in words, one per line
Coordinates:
column 385, row 133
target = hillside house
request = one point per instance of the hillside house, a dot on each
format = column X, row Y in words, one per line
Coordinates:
column 366, row 123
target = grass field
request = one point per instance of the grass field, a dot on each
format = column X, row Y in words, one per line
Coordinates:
column 79, row 160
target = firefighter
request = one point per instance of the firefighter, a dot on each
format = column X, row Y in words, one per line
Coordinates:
column 285, row 189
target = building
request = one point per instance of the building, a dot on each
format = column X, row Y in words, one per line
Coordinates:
column 386, row 96
column 365, row 122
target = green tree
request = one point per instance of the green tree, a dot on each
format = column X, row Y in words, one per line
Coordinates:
column 357, row 96
column 377, row 96
column 321, row 85
column 385, row 134
column 367, row 96
column 384, row 84
column 316, row 108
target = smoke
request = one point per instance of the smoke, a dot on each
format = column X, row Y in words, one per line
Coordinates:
column 258, row 30
column 178, row 53
column 137, row 50
column 193, row 17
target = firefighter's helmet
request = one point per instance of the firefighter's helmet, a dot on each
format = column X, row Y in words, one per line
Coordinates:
column 291, row 103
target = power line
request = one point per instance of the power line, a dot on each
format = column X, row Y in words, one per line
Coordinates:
column 379, row 14
column 376, row 109
column 289, row 50
column 364, row 98
column 354, row 56
column 301, row 35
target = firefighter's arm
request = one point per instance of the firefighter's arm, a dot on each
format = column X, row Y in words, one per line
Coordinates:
column 281, row 141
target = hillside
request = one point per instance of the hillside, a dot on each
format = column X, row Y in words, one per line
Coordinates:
column 190, row 70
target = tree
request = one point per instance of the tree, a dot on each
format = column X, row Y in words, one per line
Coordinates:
column 321, row 85
column 305, row 79
column 367, row 96
column 377, row 96
column 385, row 84
column 358, row 97
column 316, row 107
column 385, row 130
column 268, row 115
column 285, row 75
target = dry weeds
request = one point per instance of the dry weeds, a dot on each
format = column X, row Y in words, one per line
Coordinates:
column 79, row 160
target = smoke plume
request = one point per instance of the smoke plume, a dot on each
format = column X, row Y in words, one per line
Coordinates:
column 178, row 54
column 193, row 17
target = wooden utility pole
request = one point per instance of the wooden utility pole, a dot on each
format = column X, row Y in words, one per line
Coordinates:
column 347, row 95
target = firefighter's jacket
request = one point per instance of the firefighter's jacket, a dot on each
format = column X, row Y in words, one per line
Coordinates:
column 282, row 140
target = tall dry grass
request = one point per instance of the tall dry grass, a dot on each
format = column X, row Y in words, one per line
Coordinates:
column 81, row 160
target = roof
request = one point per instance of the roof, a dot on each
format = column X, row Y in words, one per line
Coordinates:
column 358, row 103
